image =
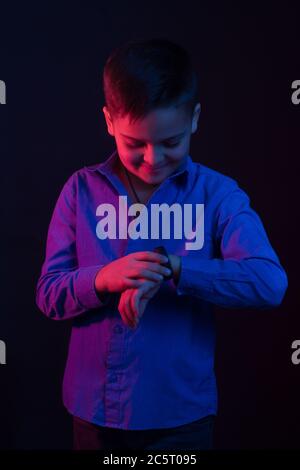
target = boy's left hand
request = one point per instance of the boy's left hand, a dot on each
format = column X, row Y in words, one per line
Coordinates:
column 133, row 302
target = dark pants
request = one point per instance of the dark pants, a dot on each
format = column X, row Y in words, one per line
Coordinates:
column 197, row 435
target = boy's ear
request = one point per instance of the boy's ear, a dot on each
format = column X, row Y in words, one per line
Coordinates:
column 110, row 127
column 196, row 115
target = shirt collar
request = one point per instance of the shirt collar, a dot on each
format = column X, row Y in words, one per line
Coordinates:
column 106, row 167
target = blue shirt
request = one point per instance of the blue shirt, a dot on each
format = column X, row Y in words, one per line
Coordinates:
column 161, row 374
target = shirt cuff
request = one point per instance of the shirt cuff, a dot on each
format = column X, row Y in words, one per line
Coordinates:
column 194, row 277
column 85, row 288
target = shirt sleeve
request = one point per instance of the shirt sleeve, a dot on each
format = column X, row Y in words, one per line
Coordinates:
column 248, row 272
column 64, row 290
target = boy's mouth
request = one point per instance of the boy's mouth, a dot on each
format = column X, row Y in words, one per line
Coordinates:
column 153, row 169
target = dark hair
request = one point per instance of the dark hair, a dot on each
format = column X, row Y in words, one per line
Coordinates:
column 142, row 75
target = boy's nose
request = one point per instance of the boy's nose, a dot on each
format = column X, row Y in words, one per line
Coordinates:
column 153, row 159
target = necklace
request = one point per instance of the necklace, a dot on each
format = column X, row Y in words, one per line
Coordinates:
column 131, row 185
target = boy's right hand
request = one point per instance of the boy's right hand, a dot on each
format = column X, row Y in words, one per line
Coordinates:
column 130, row 271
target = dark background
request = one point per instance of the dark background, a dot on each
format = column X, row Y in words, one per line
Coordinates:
column 51, row 59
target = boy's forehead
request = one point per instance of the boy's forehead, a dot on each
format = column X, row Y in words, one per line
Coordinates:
column 161, row 123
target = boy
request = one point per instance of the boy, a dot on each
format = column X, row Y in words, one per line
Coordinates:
column 140, row 367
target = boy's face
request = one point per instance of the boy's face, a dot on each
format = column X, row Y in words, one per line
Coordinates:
column 155, row 145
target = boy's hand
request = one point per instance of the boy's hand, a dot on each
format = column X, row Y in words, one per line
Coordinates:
column 130, row 272
column 133, row 302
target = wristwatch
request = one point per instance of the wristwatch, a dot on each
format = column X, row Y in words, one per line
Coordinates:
column 161, row 249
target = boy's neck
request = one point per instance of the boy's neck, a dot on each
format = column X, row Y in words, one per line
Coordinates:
column 138, row 184
column 143, row 190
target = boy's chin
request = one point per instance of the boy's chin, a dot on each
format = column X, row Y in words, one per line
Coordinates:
column 152, row 179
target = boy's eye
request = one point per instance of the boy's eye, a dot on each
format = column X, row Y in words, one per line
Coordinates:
column 168, row 144
column 133, row 146
column 173, row 144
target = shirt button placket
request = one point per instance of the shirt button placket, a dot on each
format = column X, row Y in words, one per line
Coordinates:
column 114, row 362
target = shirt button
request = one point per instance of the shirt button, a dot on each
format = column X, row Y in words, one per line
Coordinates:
column 118, row 329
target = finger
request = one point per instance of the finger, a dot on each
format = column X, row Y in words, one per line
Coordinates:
column 133, row 283
column 141, row 297
column 127, row 307
column 143, row 302
column 138, row 295
column 134, row 304
column 137, row 301
column 148, row 274
column 157, row 268
column 145, row 286
column 151, row 292
column 142, row 306
column 152, row 271
column 148, row 286
column 136, row 283
column 150, row 256
column 122, row 310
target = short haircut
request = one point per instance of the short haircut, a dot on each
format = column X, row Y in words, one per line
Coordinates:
column 143, row 75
